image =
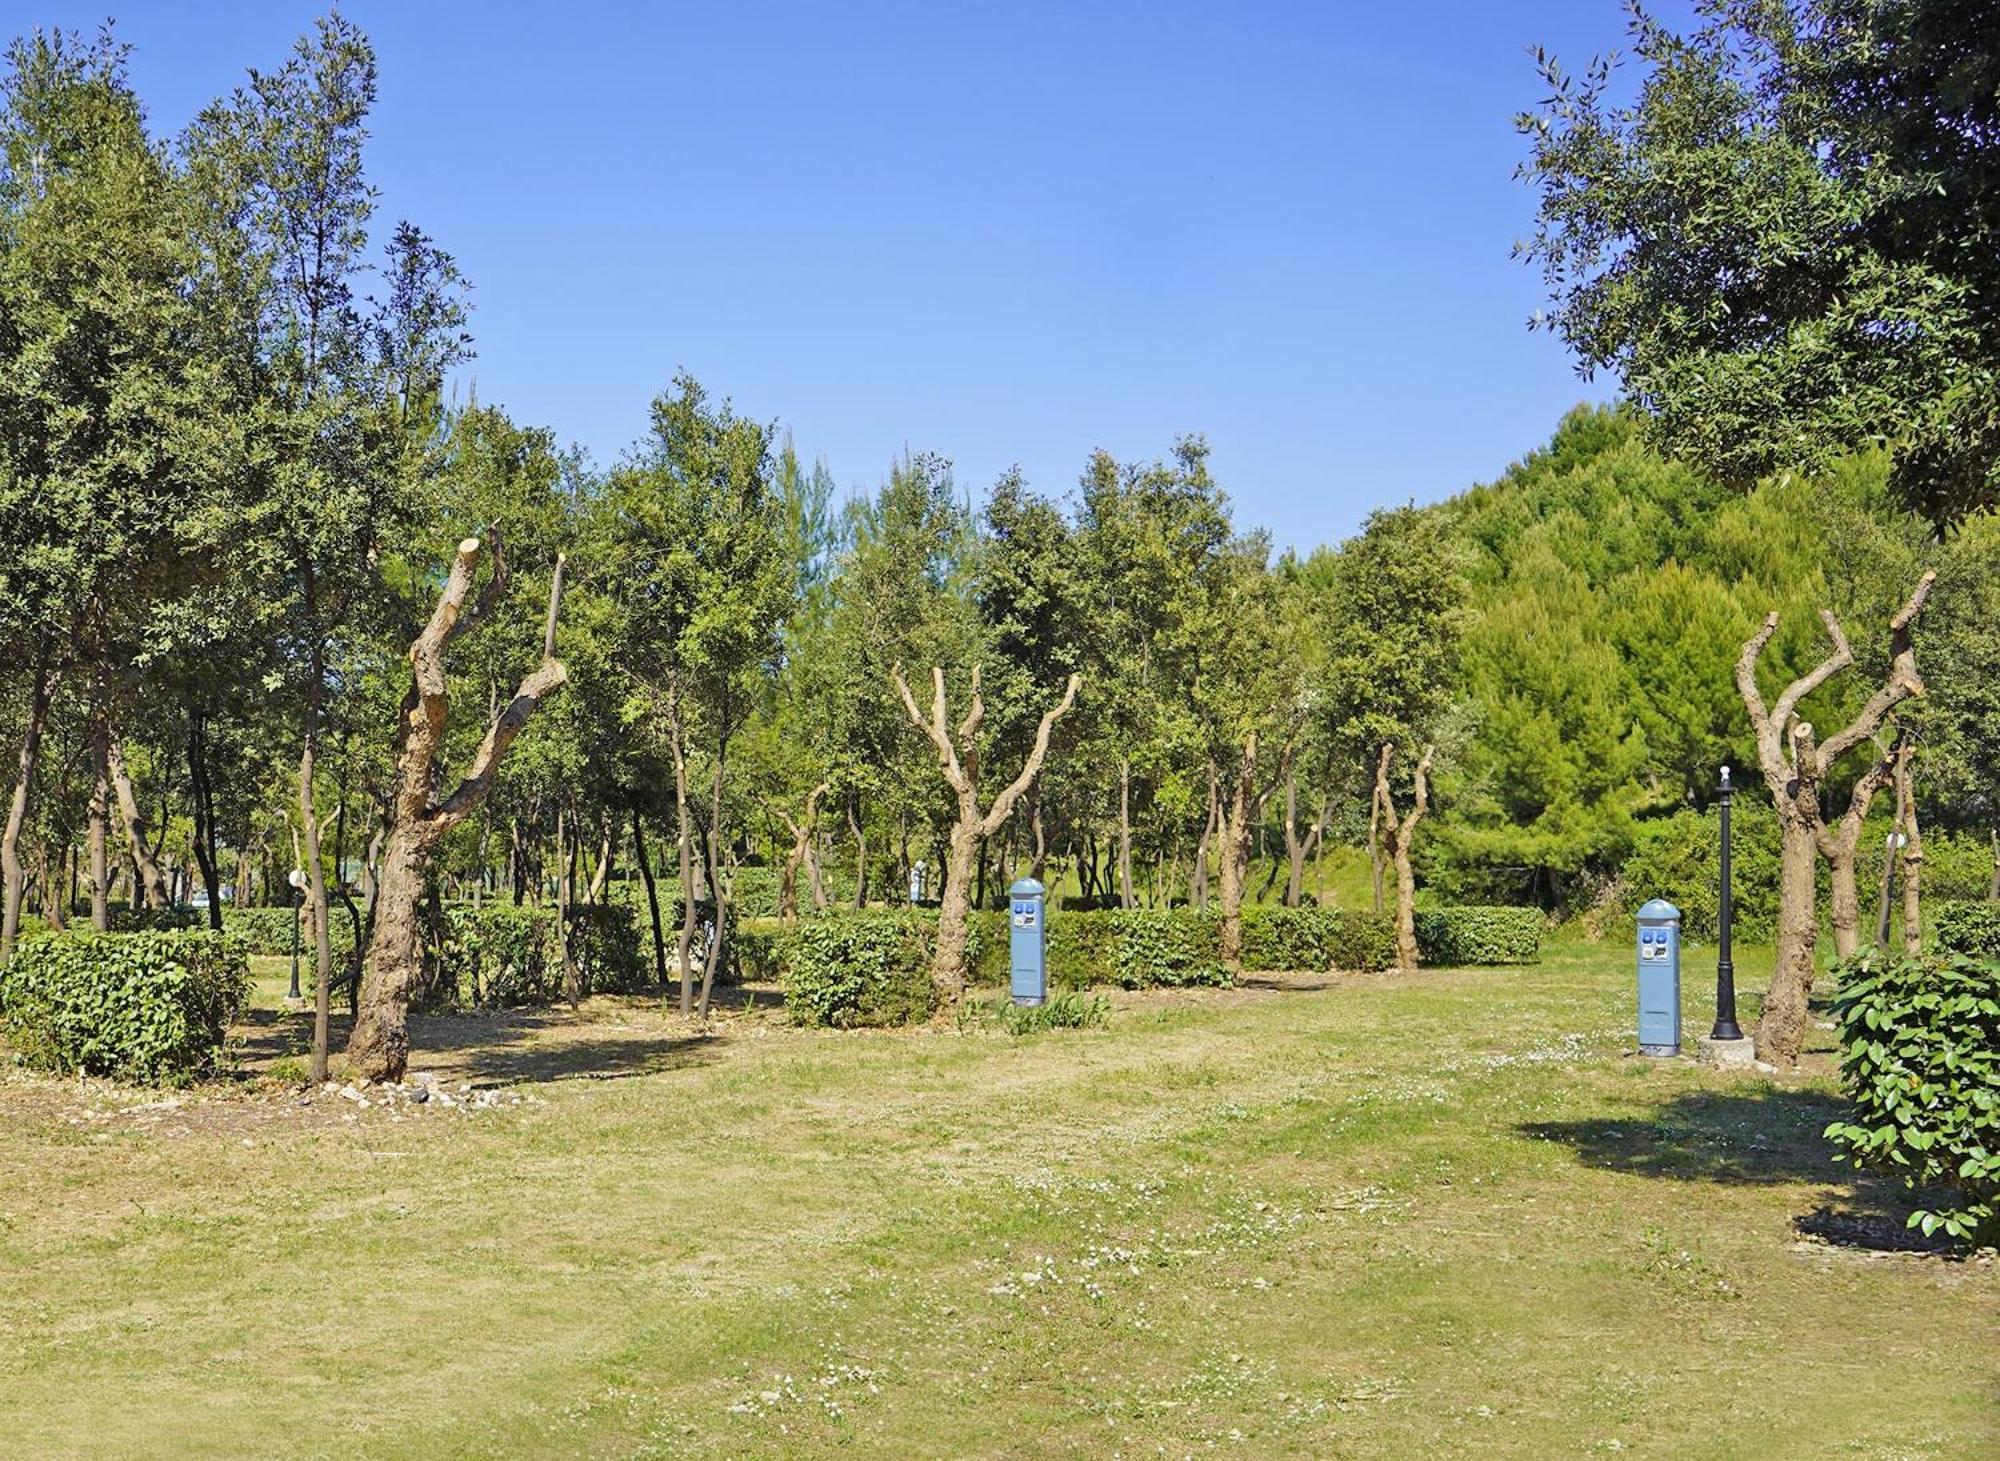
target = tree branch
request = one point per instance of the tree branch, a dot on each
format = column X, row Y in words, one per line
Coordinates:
column 1003, row 804
column 1826, row 669
column 935, row 727
column 1902, row 684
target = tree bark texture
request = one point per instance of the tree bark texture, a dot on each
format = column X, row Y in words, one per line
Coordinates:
column 419, row 819
column 1395, row 839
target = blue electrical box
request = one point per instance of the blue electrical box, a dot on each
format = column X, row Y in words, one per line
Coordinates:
column 1030, row 941
column 1659, row 979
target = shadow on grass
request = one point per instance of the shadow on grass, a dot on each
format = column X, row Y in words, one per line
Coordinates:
column 500, row 1047
column 1767, row 1138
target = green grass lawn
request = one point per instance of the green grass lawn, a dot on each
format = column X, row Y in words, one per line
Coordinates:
column 1440, row 1215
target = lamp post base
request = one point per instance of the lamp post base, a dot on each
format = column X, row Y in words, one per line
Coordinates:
column 295, row 1002
column 1738, row 1052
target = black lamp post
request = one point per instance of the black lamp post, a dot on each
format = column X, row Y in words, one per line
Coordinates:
column 296, row 882
column 1725, row 970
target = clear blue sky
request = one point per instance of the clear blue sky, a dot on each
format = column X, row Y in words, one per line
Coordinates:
column 1008, row 232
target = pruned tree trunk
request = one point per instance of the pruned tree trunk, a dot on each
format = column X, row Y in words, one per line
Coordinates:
column 1795, row 766
column 684, row 946
column 958, row 758
column 804, row 829
column 1297, row 848
column 1395, row 839
column 860, row 851
column 1237, row 812
column 1376, row 861
column 419, row 820
column 1913, row 845
column 203, row 799
column 12, row 873
column 1840, row 845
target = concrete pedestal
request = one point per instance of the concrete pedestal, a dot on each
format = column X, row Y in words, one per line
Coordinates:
column 1741, row 1052
column 294, row 1005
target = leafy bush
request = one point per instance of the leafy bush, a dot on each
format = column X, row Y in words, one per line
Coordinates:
column 861, row 969
column 156, row 920
column 146, row 1006
column 1920, row 1056
column 497, row 956
column 1167, row 947
column 1956, row 865
column 1969, row 928
column 1070, row 1010
column 762, row 950
column 604, row 940
column 1677, row 857
column 1455, row 938
column 1316, row 938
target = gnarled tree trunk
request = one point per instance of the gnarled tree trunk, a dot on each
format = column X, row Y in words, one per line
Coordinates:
column 1795, row 766
column 804, row 829
column 151, row 887
column 1913, row 845
column 1840, row 845
column 1394, row 840
column 419, row 820
column 958, row 758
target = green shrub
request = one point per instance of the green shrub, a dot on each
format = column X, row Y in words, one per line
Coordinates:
column 145, row 1006
column 1920, row 1056
column 1069, row 1010
column 1456, row 938
column 861, row 969
column 1316, row 938
column 497, row 956
column 1167, row 947
column 605, row 942
column 762, row 950
column 1957, row 865
column 1677, row 857
column 156, row 920
column 1969, row 928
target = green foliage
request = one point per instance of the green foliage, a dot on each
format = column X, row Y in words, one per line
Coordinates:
column 1920, row 1056
column 157, row 920
column 605, row 942
column 1317, row 938
column 1678, row 858
column 497, row 957
column 1166, row 948
column 1069, row 1010
column 862, row 969
column 1841, row 142
column 1967, row 928
column 150, row 1007
column 1452, row 938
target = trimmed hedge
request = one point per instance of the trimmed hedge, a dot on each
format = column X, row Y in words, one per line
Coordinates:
column 125, row 919
column 1969, row 928
column 864, row 969
column 1317, row 938
column 151, row 1007
column 1920, row 1056
column 1454, row 938
column 498, row 956
column 606, row 944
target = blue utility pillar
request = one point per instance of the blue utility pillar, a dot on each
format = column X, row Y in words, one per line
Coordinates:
column 1659, row 979
column 1030, row 942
